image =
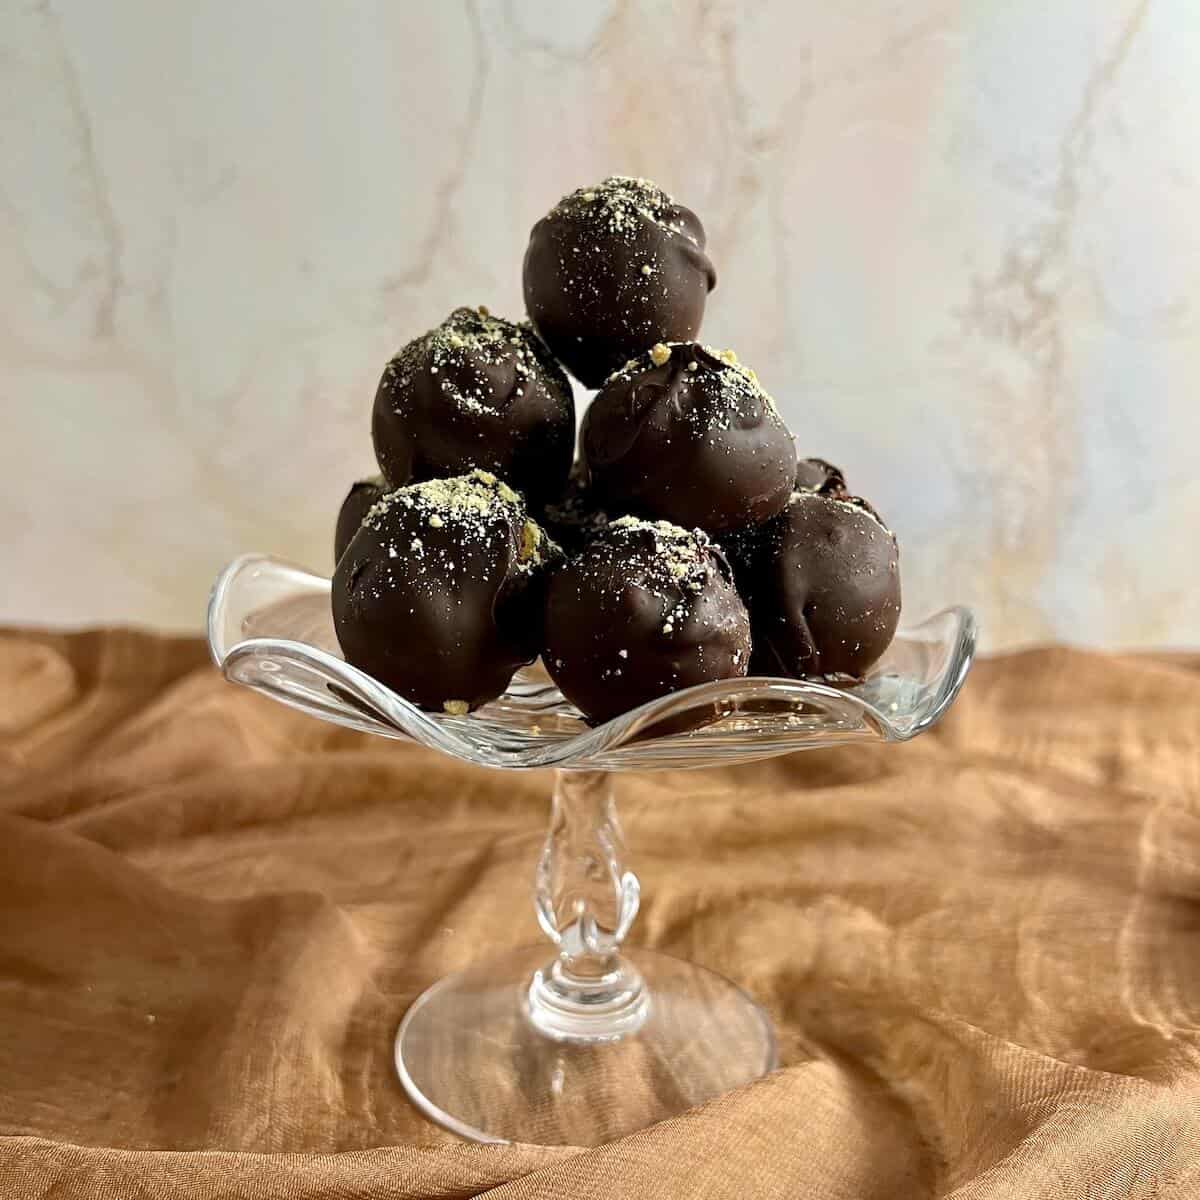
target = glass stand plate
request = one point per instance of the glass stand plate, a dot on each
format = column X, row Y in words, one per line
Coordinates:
column 471, row 1059
column 581, row 1040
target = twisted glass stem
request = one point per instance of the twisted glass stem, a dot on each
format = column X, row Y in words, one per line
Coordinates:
column 586, row 899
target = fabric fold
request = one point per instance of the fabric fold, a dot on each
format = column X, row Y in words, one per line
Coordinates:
column 981, row 949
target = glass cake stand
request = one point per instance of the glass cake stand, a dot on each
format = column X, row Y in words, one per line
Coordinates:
column 585, row 1040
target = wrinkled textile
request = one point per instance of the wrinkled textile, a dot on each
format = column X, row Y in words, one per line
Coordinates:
column 982, row 949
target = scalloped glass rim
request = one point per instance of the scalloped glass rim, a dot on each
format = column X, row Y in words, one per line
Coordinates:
column 270, row 629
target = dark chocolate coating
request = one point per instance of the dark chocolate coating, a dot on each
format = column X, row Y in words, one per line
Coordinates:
column 440, row 593
column 611, row 270
column 575, row 517
column 825, row 597
column 685, row 434
column 817, row 475
column 742, row 546
column 644, row 610
column 477, row 391
column 360, row 499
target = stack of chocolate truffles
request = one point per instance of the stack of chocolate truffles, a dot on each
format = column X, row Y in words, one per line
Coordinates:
column 685, row 543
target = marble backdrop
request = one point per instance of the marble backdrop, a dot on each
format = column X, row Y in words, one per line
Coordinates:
column 960, row 243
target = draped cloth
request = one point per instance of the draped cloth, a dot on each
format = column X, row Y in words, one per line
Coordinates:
column 981, row 949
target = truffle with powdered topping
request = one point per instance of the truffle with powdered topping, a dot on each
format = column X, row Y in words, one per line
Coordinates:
column 685, row 433
column 612, row 269
column 477, row 391
column 440, row 593
column 645, row 609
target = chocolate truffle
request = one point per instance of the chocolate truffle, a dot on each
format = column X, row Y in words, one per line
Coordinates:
column 684, row 433
column 825, row 598
column 477, row 391
column 645, row 609
column 817, row 475
column 440, row 593
column 574, row 517
column 360, row 499
column 742, row 545
column 611, row 270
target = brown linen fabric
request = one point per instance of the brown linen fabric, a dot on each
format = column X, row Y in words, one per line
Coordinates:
column 982, row 949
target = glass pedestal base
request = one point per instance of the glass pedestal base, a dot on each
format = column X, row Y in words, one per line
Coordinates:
column 471, row 1060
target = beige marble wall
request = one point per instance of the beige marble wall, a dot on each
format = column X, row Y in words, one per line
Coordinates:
column 959, row 241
